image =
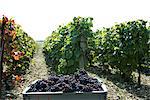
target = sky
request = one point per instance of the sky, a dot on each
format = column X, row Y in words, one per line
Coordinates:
column 40, row 17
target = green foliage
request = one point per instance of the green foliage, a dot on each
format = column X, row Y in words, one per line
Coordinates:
column 63, row 48
column 26, row 45
column 16, row 50
column 25, row 42
column 22, row 43
column 124, row 46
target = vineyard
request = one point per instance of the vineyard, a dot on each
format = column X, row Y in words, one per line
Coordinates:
column 119, row 55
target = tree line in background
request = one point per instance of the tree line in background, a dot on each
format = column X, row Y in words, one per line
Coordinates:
column 74, row 46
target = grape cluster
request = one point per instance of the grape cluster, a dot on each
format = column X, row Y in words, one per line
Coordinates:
column 79, row 82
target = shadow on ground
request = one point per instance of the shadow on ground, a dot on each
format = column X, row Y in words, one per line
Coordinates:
column 132, row 87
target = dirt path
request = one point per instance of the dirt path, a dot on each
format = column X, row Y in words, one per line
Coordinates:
column 37, row 70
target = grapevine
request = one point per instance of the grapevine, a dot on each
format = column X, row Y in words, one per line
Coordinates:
column 124, row 46
column 68, row 48
column 16, row 50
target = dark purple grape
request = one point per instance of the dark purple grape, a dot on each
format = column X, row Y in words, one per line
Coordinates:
column 83, row 72
column 53, row 78
column 77, row 76
column 55, row 88
column 68, row 83
column 87, row 88
column 67, row 88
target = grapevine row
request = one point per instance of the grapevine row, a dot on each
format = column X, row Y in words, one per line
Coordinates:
column 18, row 49
column 124, row 46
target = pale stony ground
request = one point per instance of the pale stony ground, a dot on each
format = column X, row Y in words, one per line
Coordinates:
column 117, row 88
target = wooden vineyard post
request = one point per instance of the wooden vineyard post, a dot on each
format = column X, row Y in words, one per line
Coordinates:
column 1, row 54
column 83, row 58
